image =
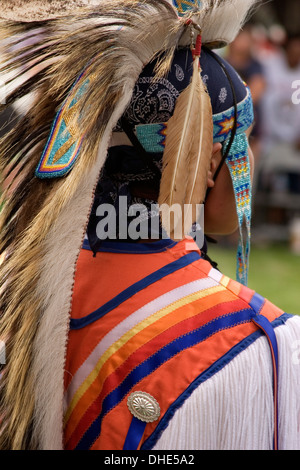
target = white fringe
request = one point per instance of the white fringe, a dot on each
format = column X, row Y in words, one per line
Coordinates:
column 233, row 410
column 289, row 385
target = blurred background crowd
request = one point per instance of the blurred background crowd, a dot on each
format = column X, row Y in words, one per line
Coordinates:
column 267, row 56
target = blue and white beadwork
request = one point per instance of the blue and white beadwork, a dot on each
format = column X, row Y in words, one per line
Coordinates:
column 224, row 122
column 64, row 143
column 184, row 6
column 153, row 138
column 239, row 167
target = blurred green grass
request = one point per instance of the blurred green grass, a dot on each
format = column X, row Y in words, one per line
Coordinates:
column 274, row 272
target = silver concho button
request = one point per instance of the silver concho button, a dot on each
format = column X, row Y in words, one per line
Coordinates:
column 143, row 406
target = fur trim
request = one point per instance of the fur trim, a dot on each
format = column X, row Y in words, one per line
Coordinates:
column 36, row 279
column 40, row 10
column 55, row 287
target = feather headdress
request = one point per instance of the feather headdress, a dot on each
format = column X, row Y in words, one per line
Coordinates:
column 220, row 20
column 46, row 47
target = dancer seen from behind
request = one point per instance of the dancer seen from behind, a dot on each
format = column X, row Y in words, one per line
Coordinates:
column 119, row 331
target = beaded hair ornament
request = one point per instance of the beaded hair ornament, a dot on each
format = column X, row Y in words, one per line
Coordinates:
column 230, row 129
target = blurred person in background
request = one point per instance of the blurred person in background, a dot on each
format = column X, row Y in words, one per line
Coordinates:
column 278, row 176
column 281, row 117
column 281, row 114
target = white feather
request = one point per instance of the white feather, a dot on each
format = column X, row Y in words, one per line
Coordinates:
column 220, row 20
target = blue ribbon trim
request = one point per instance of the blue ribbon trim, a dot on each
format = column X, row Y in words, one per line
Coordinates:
column 210, row 372
column 155, row 361
column 135, row 434
column 77, row 323
column 112, row 246
column 257, row 303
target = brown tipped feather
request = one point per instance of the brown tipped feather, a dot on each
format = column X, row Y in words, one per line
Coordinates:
column 187, row 156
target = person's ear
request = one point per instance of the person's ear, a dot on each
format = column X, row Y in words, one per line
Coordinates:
column 216, row 157
column 215, row 160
